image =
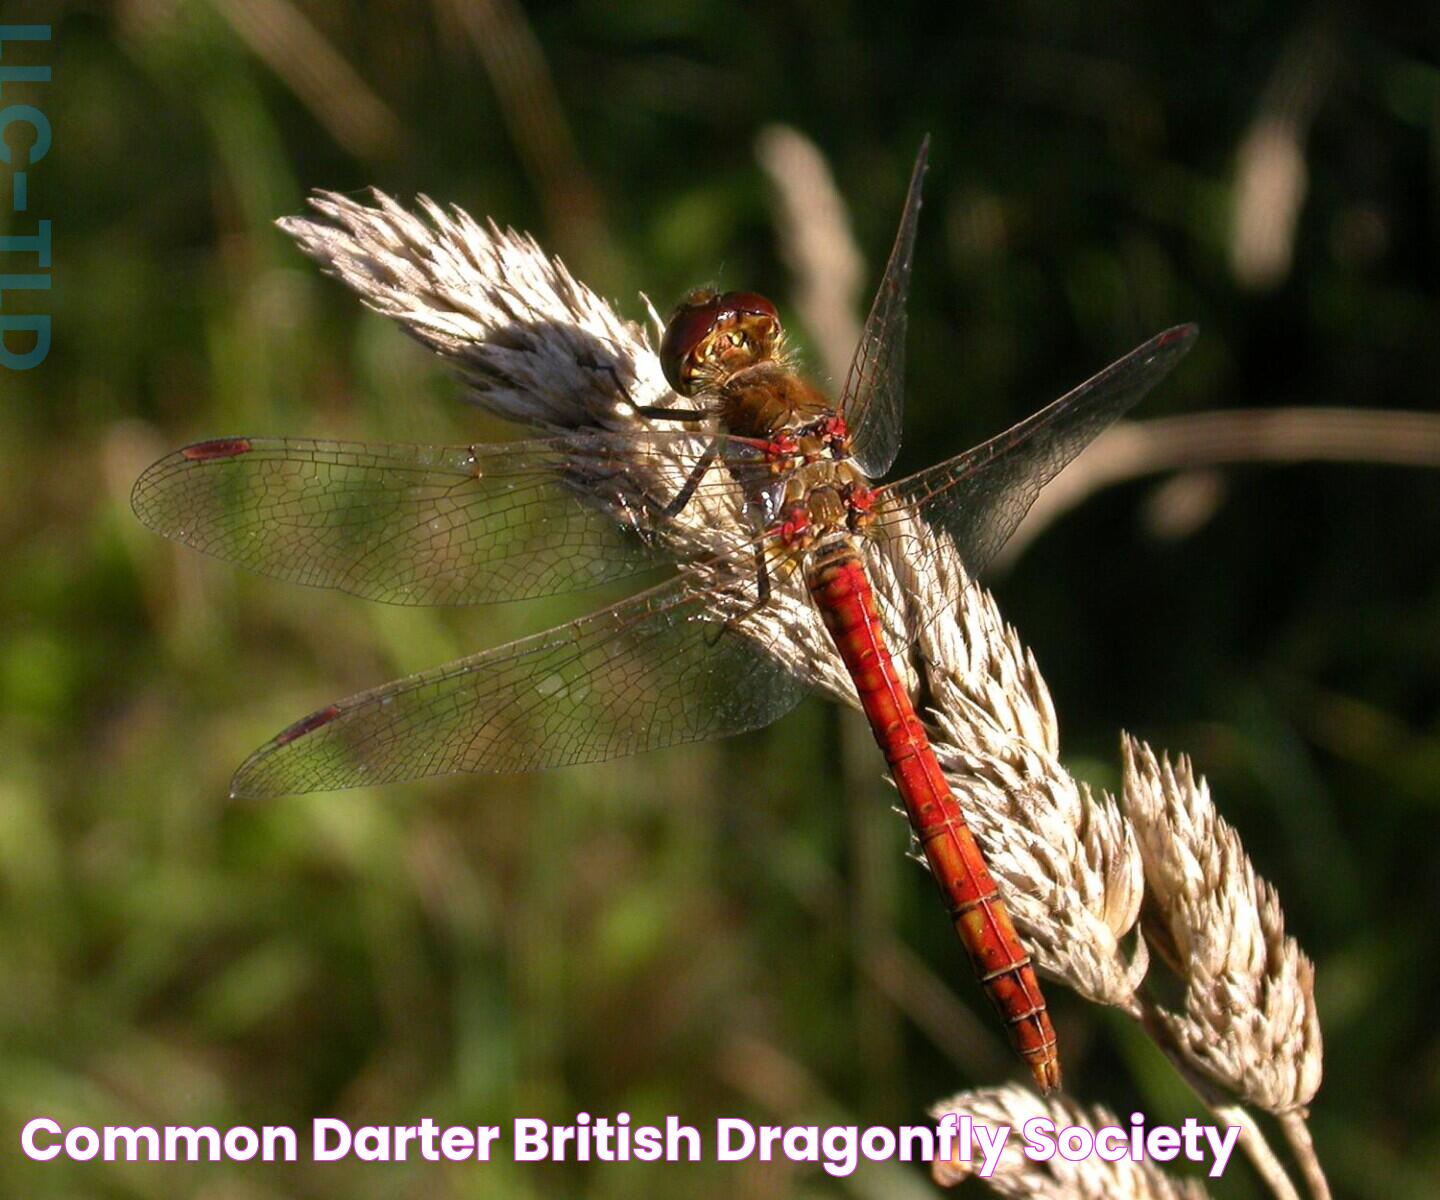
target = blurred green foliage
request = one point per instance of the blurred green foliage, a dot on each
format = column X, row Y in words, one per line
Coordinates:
column 719, row 929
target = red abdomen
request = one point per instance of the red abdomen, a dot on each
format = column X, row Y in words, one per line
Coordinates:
column 837, row 581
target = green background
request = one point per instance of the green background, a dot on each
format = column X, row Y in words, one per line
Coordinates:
column 727, row 928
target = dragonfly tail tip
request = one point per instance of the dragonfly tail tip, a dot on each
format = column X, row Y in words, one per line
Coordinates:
column 1046, row 1073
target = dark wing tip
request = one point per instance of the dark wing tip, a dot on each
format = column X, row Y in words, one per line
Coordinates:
column 1180, row 338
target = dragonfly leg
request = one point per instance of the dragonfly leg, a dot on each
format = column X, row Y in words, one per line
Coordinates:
column 762, row 595
column 762, row 580
column 697, row 473
column 656, row 413
column 611, row 370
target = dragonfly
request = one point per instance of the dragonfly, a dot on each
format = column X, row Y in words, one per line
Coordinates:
column 692, row 657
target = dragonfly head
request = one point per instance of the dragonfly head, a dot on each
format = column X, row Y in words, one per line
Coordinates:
column 711, row 335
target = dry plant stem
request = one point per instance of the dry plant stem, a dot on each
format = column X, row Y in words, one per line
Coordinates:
column 1302, row 1146
column 817, row 242
column 283, row 38
column 515, row 64
column 930, row 1003
column 1277, row 435
column 1270, row 174
column 1257, row 1149
column 766, row 1076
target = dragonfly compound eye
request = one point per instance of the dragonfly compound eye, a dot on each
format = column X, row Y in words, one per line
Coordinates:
column 686, row 335
column 711, row 335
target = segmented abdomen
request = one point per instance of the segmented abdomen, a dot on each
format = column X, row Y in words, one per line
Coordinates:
column 842, row 591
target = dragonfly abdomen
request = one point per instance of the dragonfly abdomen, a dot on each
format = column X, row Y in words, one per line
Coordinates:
column 837, row 580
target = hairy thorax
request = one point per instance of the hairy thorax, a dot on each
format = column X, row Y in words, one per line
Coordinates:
column 809, row 487
column 766, row 399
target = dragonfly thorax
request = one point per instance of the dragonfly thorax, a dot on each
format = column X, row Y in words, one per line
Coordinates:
column 823, row 500
column 767, row 399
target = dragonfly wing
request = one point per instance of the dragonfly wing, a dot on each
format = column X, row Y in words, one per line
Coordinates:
column 425, row 524
column 979, row 497
column 874, row 397
column 656, row 670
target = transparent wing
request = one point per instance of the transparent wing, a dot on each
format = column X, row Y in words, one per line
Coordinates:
column 979, row 497
column 653, row 671
column 428, row 524
column 873, row 401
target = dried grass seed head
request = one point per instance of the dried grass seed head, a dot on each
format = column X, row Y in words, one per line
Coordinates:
column 1248, row 1020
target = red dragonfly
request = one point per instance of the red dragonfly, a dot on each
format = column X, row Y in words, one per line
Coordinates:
column 687, row 659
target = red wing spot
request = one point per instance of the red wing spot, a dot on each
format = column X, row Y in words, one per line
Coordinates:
column 308, row 725
column 219, row 448
column 1181, row 333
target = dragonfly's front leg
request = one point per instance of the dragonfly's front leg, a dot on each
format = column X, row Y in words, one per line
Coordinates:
column 651, row 411
column 697, row 473
column 762, row 595
column 655, row 412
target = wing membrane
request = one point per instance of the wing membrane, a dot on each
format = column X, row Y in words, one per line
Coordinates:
column 427, row 524
column 653, row 671
column 979, row 497
column 874, row 397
